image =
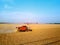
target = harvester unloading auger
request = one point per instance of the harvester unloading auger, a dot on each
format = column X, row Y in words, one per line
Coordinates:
column 23, row 28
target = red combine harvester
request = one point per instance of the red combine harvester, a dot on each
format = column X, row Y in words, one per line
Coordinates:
column 23, row 28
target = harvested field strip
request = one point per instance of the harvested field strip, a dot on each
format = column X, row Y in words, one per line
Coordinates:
column 44, row 41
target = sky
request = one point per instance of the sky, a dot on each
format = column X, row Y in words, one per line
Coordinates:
column 31, row 11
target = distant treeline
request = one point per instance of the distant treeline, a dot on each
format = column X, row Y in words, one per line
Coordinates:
column 4, row 23
column 26, row 23
column 53, row 23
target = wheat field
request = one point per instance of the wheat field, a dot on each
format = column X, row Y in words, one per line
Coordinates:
column 41, row 34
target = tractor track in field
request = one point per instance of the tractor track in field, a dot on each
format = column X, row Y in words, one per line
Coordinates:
column 47, row 41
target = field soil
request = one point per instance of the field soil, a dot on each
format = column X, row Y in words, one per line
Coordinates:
column 41, row 34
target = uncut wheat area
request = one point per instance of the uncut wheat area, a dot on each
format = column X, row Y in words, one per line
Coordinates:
column 41, row 34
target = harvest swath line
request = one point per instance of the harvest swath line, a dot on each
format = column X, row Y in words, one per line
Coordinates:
column 52, row 42
column 45, row 41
